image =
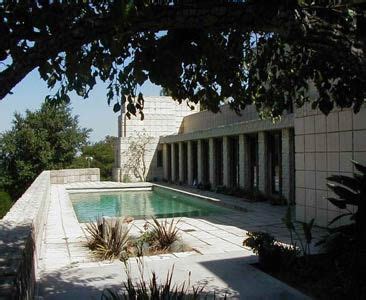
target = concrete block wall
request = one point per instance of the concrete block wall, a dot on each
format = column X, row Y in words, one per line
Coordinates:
column 121, row 174
column 206, row 119
column 162, row 116
column 325, row 145
column 21, row 232
column 22, row 228
column 74, row 175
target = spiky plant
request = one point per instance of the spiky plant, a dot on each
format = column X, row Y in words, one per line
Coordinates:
column 152, row 289
column 95, row 230
column 108, row 238
column 163, row 234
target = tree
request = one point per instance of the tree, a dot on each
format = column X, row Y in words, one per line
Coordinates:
column 48, row 138
column 250, row 52
column 135, row 156
column 102, row 154
column 165, row 92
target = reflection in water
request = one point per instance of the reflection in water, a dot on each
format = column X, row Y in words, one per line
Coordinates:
column 140, row 204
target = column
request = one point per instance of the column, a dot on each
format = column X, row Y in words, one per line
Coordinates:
column 244, row 172
column 211, row 161
column 181, row 163
column 262, row 162
column 286, row 164
column 165, row 161
column 190, row 163
column 226, row 161
column 173, row 163
column 200, row 178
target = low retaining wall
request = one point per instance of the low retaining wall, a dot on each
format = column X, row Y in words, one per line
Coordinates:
column 75, row 175
column 21, row 233
column 22, row 228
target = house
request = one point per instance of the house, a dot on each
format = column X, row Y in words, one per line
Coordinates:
column 290, row 158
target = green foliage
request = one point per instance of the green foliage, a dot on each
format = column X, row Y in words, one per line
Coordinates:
column 351, row 193
column 165, row 92
column 307, row 231
column 5, row 203
column 98, row 155
column 277, row 200
column 272, row 254
column 108, row 239
column 259, row 241
column 346, row 241
column 209, row 60
column 48, row 138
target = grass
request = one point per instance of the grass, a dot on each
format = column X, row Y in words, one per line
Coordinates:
column 5, row 203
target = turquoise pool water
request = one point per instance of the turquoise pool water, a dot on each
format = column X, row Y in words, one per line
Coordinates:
column 160, row 202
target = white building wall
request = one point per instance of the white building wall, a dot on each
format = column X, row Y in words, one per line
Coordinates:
column 162, row 116
column 325, row 145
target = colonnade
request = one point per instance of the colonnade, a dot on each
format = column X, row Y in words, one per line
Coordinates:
column 261, row 161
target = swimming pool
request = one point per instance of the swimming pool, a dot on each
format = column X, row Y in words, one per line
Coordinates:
column 160, row 202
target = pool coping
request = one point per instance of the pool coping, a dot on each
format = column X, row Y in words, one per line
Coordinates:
column 220, row 202
column 69, row 189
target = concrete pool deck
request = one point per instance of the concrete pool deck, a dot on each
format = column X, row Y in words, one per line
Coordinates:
column 68, row 271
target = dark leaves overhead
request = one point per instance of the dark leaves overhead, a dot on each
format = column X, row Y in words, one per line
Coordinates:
column 241, row 52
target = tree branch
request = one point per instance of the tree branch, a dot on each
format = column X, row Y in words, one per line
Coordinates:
column 248, row 17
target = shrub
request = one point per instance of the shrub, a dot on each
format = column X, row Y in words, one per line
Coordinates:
column 204, row 186
column 271, row 254
column 347, row 242
column 221, row 189
column 163, row 234
column 306, row 228
column 258, row 196
column 5, row 203
column 351, row 192
column 126, row 178
column 108, row 238
column 277, row 200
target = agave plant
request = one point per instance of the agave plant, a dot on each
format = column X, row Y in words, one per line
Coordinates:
column 107, row 238
column 164, row 233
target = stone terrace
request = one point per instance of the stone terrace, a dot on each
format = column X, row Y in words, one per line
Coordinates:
column 43, row 245
column 214, row 239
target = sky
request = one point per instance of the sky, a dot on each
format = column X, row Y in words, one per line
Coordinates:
column 93, row 112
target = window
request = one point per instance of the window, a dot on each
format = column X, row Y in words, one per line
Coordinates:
column 159, row 159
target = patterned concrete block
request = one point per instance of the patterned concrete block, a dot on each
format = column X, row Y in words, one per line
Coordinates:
column 321, row 161
column 359, row 140
column 332, row 122
column 320, row 123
